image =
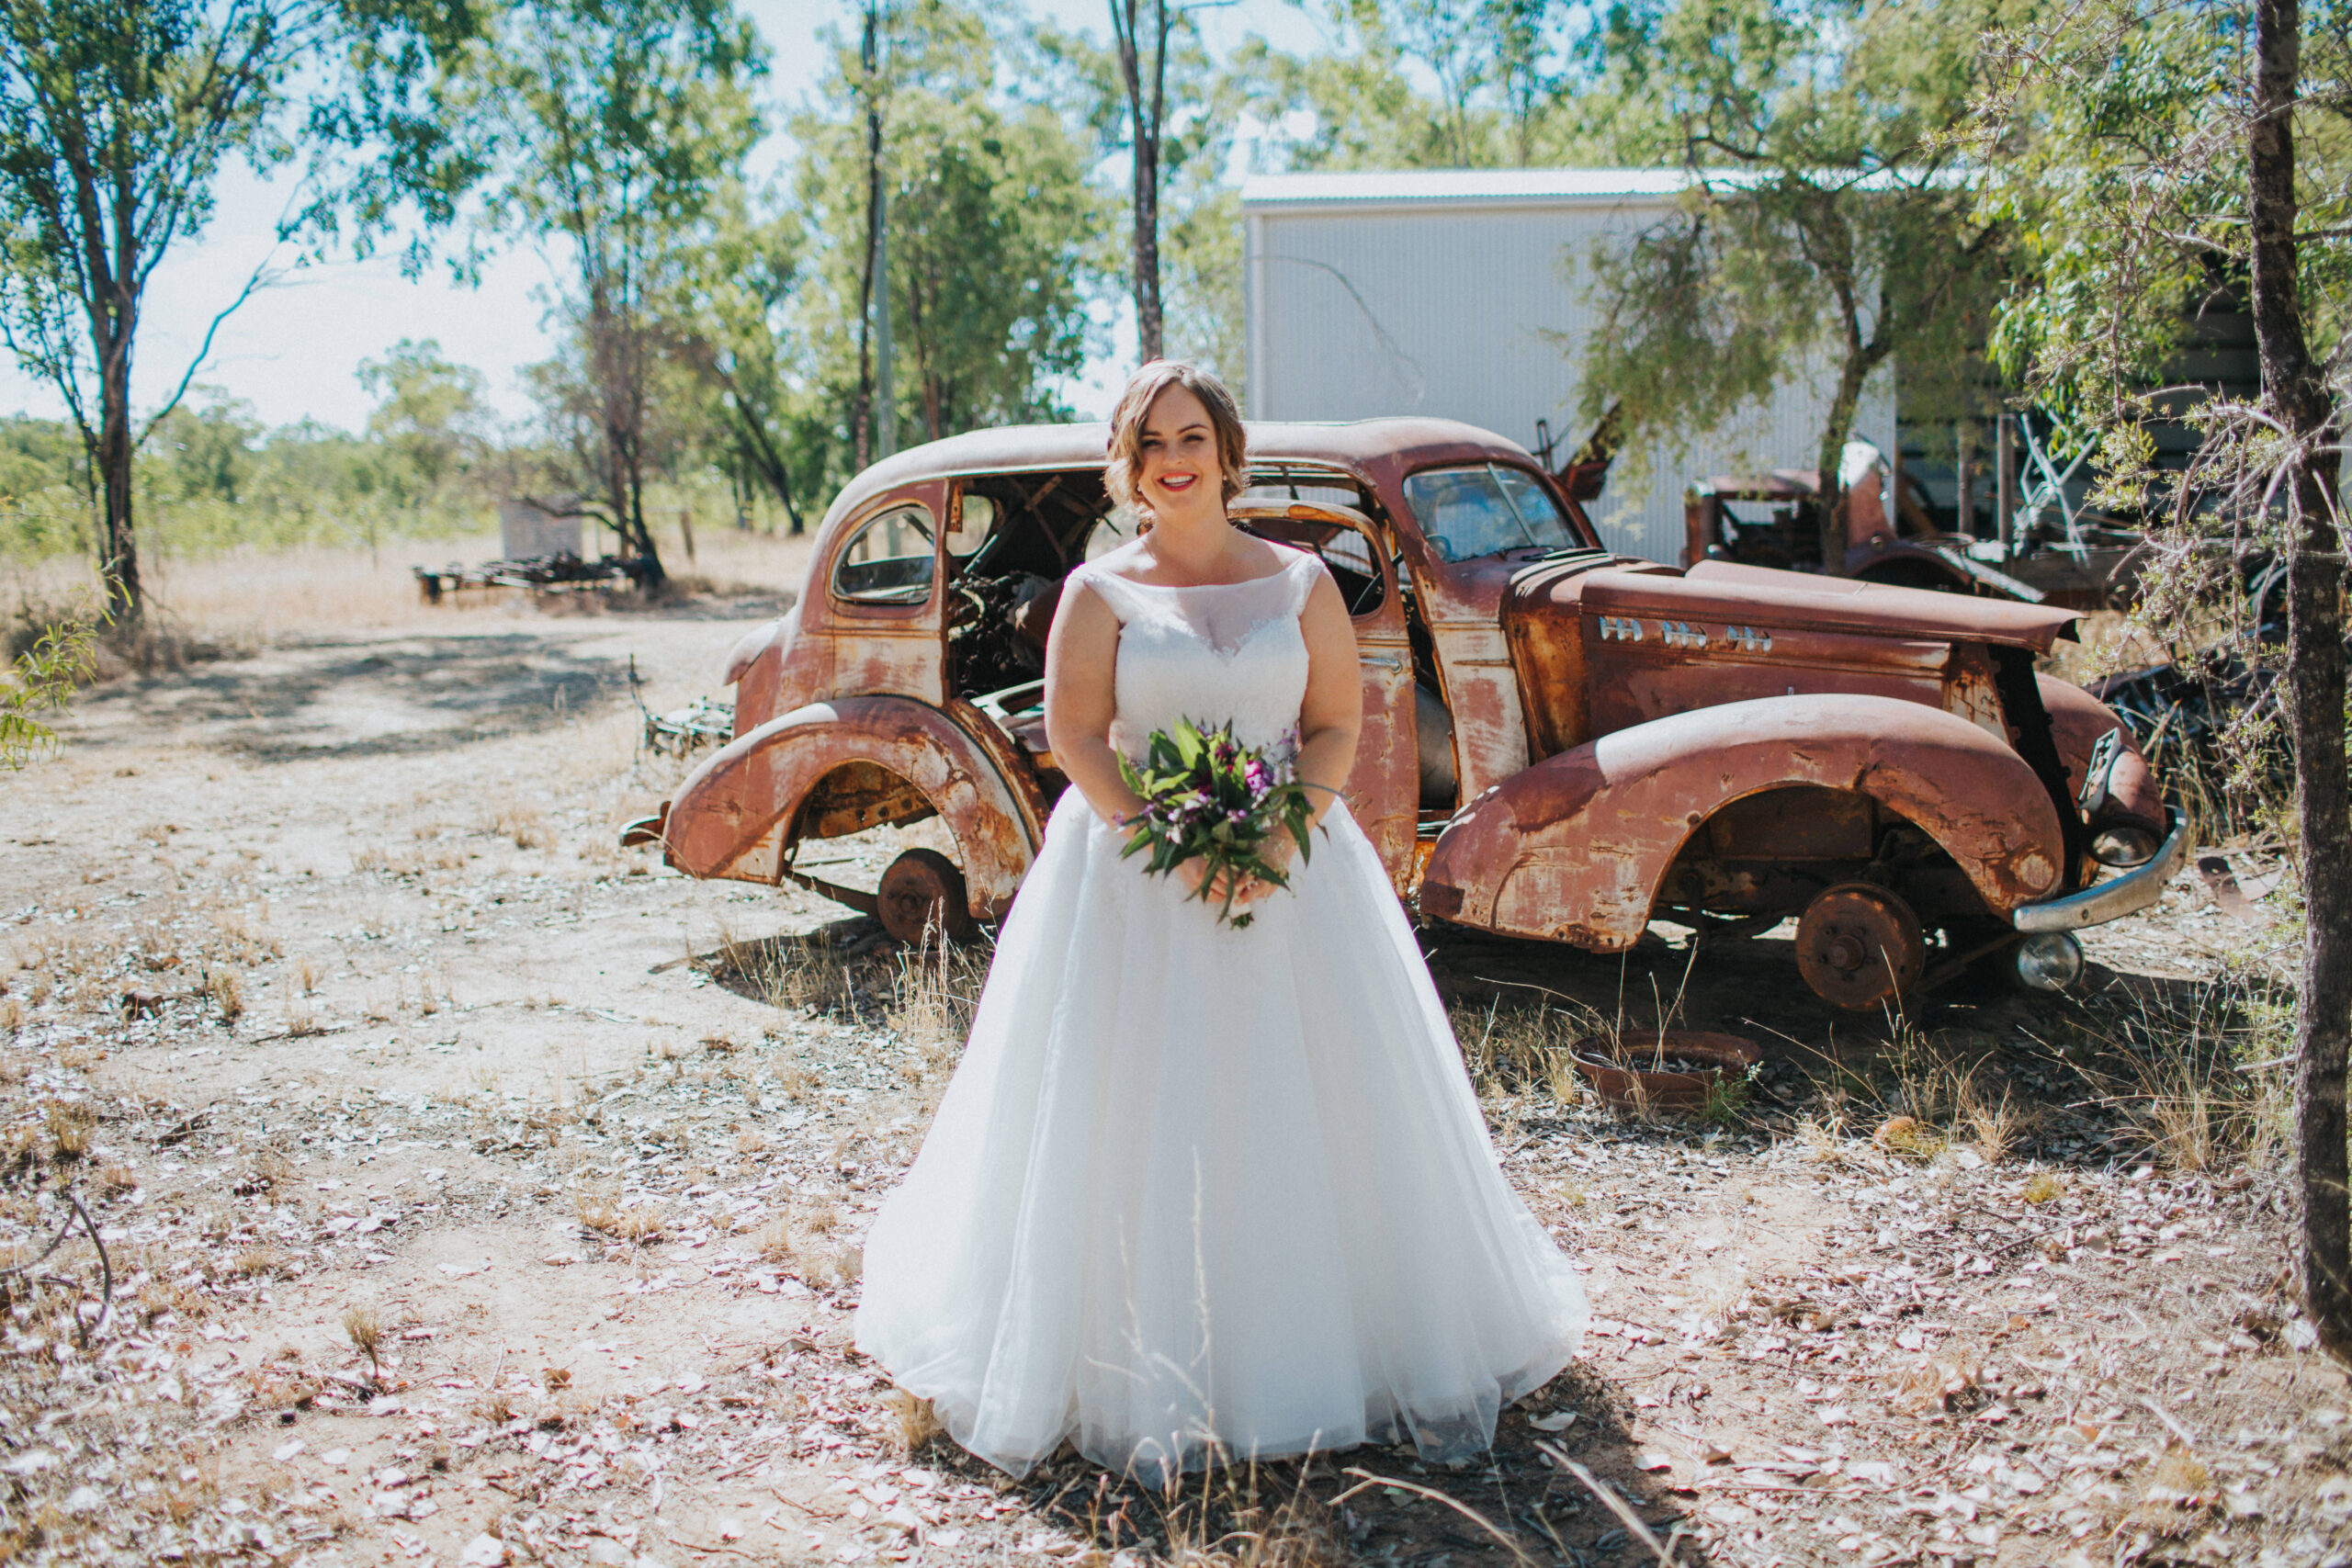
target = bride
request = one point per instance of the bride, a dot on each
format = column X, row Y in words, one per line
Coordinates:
column 1197, row 1192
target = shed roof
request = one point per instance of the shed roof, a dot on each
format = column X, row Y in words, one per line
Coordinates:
column 1468, row 187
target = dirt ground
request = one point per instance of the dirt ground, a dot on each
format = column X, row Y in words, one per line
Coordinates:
column 475, row 1191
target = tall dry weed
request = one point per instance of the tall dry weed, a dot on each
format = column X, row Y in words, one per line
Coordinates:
column 1517, row 1048
column 2196, row 1072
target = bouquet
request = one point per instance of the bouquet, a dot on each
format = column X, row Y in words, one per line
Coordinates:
column 1208, row 797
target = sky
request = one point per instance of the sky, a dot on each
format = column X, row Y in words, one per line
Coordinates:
column 294, row 349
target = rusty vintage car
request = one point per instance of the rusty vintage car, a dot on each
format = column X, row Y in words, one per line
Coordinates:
column 1559, row 742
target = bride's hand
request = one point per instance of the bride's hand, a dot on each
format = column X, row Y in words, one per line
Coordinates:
column 1244, row 891
column 1253, row 890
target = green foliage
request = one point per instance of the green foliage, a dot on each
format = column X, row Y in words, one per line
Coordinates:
column 2115, row 147
column 996, row 234
column 1210, row 798
column 1504, row 96
column 1829, row 222
column 210, row 478
column 2116, row 135
column 115, row 122
column 607, row 126
column 39, row 680
column 430, row 418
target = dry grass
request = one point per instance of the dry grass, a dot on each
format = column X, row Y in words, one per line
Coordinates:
column 603, row 1209
column 228, row 993
column 235, row 602
column 1928, row 1096
column 1225, row 1518
column 797, row 1079
column 271, row 1174
column 525, row 825
column 259, row 1262
column 2169, row 1063
column 913, row 1423
column 70, row 1124
column 775, row 1241
column 239, row 937
column 366, row 1329
column 1908, row 1136
column 1514, row 1049
column 1993, row 1127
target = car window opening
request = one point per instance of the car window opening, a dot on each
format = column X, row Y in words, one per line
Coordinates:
column 891, row 560
column 1485, row 510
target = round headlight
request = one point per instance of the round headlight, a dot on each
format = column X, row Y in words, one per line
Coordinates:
column 2123, row 846
column 2049, row 961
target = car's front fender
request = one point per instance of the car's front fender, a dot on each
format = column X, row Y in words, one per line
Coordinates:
column 1576, row 847
column 731, row 816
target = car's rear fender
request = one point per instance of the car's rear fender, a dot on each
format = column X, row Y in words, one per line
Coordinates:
column 1576, row 847
column 736, row 815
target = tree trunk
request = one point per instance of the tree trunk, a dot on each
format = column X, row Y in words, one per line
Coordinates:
column 862, row 416
column 1147, row 104
column 117, row 543
column 1147, row 243
column 753, row 441
column 1831, row 460
column 2296, row 394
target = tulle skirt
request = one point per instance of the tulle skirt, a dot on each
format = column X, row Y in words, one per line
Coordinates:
column 1198, row 1193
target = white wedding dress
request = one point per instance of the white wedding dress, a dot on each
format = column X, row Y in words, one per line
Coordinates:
column 1199, row 1191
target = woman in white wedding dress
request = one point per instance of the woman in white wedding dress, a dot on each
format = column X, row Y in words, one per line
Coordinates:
column 1195, row 1191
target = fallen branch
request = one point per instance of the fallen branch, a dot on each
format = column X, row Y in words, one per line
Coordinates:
column 1367, row 1480
column 80, row 1216
column 1608, row 1495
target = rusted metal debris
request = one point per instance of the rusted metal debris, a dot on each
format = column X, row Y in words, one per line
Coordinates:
column 559, row 572
column 1559, row 742
column 706, row 721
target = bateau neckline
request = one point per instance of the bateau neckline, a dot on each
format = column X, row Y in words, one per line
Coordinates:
column 1283, row 570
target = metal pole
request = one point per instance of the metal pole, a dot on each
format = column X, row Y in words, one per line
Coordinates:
column 1963, row 519
column 2004, row 482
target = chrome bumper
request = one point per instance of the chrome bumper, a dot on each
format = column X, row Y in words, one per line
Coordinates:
column 2119, row 896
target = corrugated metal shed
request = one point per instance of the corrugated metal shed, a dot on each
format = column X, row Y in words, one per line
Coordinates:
column 1464, row 293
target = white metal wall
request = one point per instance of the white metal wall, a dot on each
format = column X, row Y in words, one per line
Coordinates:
column 1479, row 314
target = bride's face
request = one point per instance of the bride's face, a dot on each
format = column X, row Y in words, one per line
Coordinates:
column 1180, row 472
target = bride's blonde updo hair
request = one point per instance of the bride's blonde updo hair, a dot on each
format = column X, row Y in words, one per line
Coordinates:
column 1126, row 428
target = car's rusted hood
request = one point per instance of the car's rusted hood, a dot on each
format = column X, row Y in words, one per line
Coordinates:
column 1727, row 593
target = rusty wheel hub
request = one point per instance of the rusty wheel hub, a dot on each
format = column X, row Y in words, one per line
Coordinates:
column 923, row 891
column 1860, row 945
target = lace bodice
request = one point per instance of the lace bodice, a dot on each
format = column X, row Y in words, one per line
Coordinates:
column 1226, row 653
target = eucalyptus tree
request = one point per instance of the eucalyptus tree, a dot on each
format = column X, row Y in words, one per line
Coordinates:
column 1829, row 218
column 994, row 250
column 1155, row 99
column 733, row 321
column 607, row 128
column 2162, row 159
column 1140, row 31
column 116, row 119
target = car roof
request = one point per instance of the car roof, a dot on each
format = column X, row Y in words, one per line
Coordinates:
column 1359, row 445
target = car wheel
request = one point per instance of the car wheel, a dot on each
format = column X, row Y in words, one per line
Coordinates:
column 1860, row 947
column 923, row 893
